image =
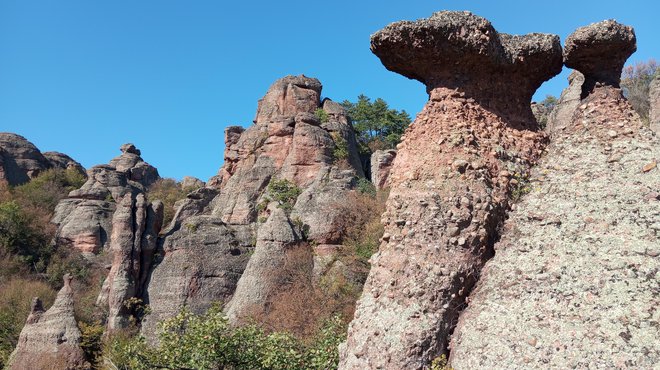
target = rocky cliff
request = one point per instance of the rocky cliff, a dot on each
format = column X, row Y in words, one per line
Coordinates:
column 573, row 283
column 228, row 243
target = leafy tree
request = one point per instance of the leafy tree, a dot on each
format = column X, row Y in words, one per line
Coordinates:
column 550, row 102
column 635, row 81
column 377, row 125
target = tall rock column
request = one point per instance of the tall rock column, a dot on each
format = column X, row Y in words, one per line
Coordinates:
column 456, row 169
column 50, row 339
column 574, row 282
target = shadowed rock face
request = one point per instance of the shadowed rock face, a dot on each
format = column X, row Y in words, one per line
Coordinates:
column 50, row 339
column 459, row 50
column 572, row 286
column 599, row 52
column 456, row 169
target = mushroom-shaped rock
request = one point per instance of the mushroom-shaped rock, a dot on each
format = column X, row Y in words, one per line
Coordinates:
column 50, row 339
column 459, row 50
column 599, row 51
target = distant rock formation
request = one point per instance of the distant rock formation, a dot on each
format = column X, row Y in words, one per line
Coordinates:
column 458, row 165
column 568, row 102
column 21, row 161
column 206, row 248
column 381, row 165
column 84, row 218
column 574, row 281
column 654, row 100
column 50, row 339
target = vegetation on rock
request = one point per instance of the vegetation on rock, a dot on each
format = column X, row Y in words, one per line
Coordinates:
column 635, row 82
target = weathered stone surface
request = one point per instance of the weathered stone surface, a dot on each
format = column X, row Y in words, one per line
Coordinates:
column 599, row 52
column 381, row 164
column 135, row 228
column 455, row 171
column 134, row 166
column 654, row 100
column 50, row 339
column 192, row 183
column 568, row 102
column 574, row 281
column 84, row 218
column 458, row 50
column 63, row 161
column 200, row 264
column 196, row 203
column 21, row 160
column 265, row 273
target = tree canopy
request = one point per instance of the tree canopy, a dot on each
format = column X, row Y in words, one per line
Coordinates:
column 376, row 125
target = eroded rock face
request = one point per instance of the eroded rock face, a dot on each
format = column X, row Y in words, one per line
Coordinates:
column 381, row 164
column 206, row 248
column 135, row 227
column 568, row 102
column 458, row 50
column 599, row 52
column 457, row 167
column 21, row 161
column 654, row 99
column 84, row 218
column 50, row 339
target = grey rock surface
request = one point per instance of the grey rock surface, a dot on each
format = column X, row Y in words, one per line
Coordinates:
column 381, row 164
column 574, row 280
column 568, row 102
column 50, row 339
column 21, row 160
column 63, row 161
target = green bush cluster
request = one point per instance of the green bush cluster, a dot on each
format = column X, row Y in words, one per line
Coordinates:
column 340, row 152
column 322, row 115
column 284, row 192
column 168, row 191
column 189, row 341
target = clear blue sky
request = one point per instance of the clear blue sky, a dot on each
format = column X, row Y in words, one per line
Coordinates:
column 84, row 76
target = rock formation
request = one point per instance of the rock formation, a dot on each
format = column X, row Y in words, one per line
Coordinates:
column 574, row 281
column 206, row 249
column 381, row 164
column 135, row 227
column 568, row 102
column 654, row 100
column 50, row 339
column 21, row 161
column 457, row 167
column 84, row 218
column 599, row 52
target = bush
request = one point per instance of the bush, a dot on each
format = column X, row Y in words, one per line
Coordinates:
column 15, row 304
column 284, row 192
column 189, row 341
column 635, row 82
column 322, row 115
column 340, row 152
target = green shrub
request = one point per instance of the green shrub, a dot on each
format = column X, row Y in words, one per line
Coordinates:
column 189, row 341
column 365, row 186
column 322, row 115
column 341, row 152
column 91, row 341
column 284, row 192
column 169, row 192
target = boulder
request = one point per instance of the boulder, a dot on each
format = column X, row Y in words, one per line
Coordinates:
column 134, row 166
column 599, row 52
column 457, row 168
column 381, row 164
column 21, row 160
column 50, row 339
column 192, row 183
column 63, row 161
column 572, row 285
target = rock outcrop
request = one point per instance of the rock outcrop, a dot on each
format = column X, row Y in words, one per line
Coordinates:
column 50, row 339
column 84, row 218
column 599, row 52
column 21, row 161
column 381, row 165
column 568, row 102
column 574, row 281
column 457, row 167
column 206, row 249
column 135, row 227
column 654, row 100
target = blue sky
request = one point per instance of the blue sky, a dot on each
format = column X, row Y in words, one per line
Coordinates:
column 83, row 77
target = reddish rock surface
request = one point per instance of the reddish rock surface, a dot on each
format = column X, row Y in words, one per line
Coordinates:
column 50, row 339
column 456, row 169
